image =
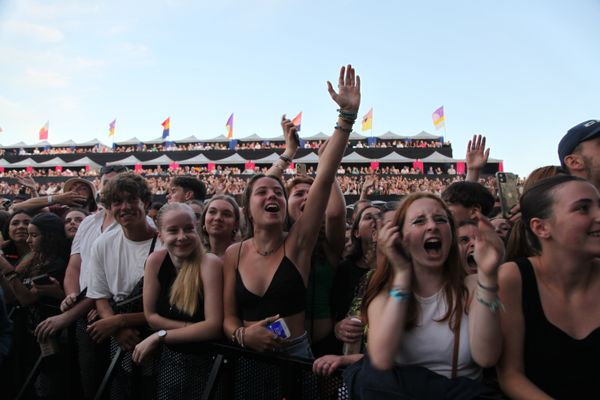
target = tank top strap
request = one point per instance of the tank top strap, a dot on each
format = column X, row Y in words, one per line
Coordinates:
column 237, row 265
column 530, row 295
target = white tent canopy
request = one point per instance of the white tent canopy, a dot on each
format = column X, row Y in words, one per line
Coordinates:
column 232, row 159
column 131, row 160
column 162, row 160
column 196, row 160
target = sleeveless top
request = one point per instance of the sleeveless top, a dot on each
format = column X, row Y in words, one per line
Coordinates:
column 286, row 294
column 561, row 366
column 166, row 276
column 430, row 343
column 318, row 304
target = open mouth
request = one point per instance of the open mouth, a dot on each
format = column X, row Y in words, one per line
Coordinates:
column 433, row 246
column 471, row 263
column 594, row 234
column 272, row 208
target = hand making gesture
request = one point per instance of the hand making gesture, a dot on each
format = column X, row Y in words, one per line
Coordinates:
column 348, row 95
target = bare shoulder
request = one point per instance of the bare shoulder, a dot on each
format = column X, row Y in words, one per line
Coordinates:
column 231, row 255
column 509, row 274
column 211, row 260
column 155, row 259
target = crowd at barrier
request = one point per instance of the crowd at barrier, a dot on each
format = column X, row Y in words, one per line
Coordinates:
column 447, row 292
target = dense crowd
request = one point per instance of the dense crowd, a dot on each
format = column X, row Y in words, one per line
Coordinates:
column 455, row 290
column 240, row 145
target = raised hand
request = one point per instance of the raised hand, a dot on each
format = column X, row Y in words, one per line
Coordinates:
column 348, row 97
column 27, row 181
column 290, row 133
column 390, row 244
column 477, row 155
column 489, row 251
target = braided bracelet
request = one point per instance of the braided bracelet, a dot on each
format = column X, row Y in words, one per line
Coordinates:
column 493, row 289
column 285, row 158
column 345, row 130
column 347, row 116
column 400, row 295
column 493, row 305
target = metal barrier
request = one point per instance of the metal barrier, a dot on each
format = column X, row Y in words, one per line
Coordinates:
column 222, row 371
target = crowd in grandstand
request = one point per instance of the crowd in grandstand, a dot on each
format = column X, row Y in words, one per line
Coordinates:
column 454, row 293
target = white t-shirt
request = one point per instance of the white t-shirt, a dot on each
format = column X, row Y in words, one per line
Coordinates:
column 116, row 265
column 88, row 232
column 430, row 344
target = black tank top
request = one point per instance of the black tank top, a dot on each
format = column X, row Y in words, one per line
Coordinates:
column 286, row 294
column 561, row 366
column 166, row 277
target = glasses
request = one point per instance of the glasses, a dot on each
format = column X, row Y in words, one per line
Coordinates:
column 113, row 168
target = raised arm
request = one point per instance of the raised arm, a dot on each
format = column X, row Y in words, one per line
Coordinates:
column 291, row 147
column 485, row 338
column 477, row 157
column 335, row 220
column 72, row 199
column 304, row 232
column 388, row 310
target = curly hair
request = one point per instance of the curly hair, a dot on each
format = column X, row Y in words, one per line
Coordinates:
column 127, row 182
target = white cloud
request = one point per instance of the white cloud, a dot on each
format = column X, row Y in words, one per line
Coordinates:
column 37, row 32
column 42, row 79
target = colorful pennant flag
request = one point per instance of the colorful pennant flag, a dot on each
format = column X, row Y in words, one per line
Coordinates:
column 229, row 127
column 367, row 121
column 44, row 131
column 111, row 128
column 439, row 121
column 297, row 121
column 166, row 126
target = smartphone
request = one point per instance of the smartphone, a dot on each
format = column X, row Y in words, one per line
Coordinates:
column 507, row 192
column 280, row 328
column 41, row 280
column 300, row 169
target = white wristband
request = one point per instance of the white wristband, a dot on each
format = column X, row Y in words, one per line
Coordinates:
column 49, row 199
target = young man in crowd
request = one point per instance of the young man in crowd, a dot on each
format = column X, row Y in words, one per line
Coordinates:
column 185, row 188
column 466, row 199
column 579, row 151
column 117, row 260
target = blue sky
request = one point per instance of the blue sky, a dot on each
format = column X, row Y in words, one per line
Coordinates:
column 520, row 72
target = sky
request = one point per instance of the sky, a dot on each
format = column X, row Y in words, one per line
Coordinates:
column 519, row 72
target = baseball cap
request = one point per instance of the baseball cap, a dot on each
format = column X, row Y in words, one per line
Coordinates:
column 580, row 133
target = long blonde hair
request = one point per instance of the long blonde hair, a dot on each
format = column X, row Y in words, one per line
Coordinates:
column 188, row 283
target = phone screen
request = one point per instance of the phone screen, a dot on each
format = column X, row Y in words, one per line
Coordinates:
column 280, row 328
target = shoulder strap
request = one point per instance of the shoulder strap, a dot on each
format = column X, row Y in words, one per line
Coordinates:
column 239, row 254
column 153, row 244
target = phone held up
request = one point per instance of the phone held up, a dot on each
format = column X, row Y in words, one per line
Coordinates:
column 280, row 328
column 507, row 192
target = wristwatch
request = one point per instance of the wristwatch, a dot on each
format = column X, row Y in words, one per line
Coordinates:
column 162, row 334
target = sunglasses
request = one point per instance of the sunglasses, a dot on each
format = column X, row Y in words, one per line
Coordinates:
column 113, row 168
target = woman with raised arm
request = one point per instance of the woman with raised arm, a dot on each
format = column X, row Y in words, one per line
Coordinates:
column 328, row 250
column 552, row 325
column 428, row 321
column 266, row 275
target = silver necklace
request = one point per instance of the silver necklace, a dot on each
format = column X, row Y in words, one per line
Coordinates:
column 264, row 253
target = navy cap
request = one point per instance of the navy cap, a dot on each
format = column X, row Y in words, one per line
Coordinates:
column 580, row 133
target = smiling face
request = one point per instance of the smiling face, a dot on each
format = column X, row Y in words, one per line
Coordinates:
column 128, row 210
column 17, row 229
column 178, row 232
column 267, row 202
column 427, row 233
column 574, row 223
column 177, row 194
column 72, row 221
column 34, row 238
column 220, row 219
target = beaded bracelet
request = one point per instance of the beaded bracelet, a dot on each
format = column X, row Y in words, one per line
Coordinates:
column 345, row 130
column 347, row 116
column 493, row 289
column 492, row 305
column 243, row 332
column 400, row 295
column 234, row 335
column 285, row 158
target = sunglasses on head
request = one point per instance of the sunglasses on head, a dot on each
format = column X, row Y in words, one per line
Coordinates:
column 113, row 168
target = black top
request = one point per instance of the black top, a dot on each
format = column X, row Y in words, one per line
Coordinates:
column 347, row 277
column 286, row 294
column 166, row 276
column 561, row 366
